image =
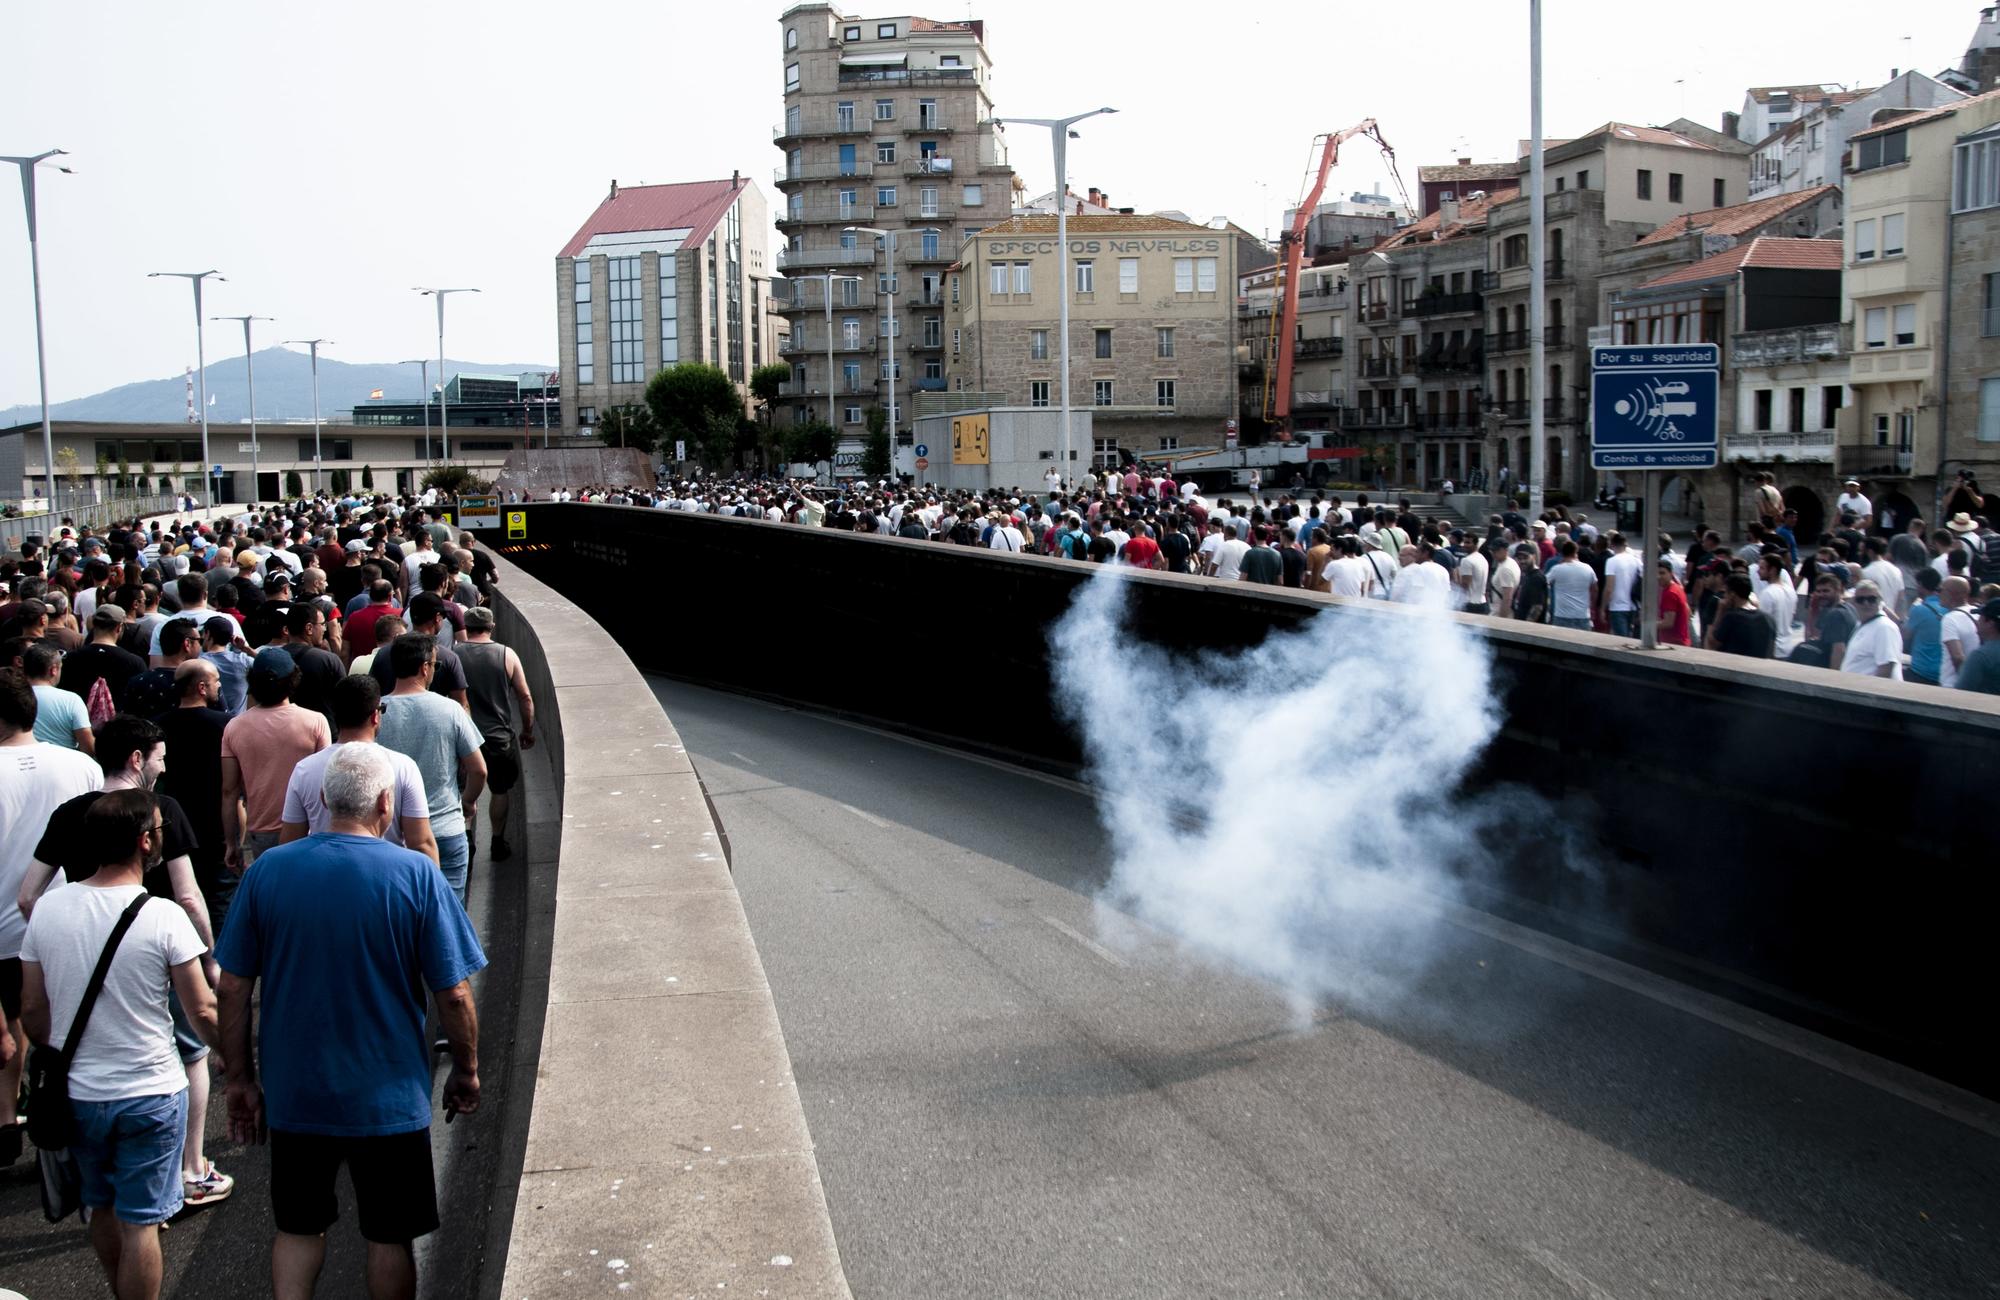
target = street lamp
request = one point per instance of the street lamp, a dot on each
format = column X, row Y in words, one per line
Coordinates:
column 888, row 237
column 444, row 410
column 827, row 279
column 27, row 166
column 314, row 345
column 201, row 363
column 256, row 478
column 1059, row 131
column 424, row 377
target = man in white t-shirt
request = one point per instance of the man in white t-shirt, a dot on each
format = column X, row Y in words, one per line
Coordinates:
column 1349, row 574
column 1884, row 573
column 1958, row 635
column 1876, row 648
column 1623, row 569
column 35, row 780
column 1421, row 580
column 1005, row 536
column 1470, row 576
column 1778, row 600
column 126, row 1083
column 1852, row 502
column 1227, row 563
column 1506, row 577
column 355, row 700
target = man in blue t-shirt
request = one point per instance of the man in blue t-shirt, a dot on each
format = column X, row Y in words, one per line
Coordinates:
column 341, row 927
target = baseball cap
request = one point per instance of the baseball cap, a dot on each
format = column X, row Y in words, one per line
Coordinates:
column 356, row 545
column 274, row 660
column 1990, row 611
column 479, row 619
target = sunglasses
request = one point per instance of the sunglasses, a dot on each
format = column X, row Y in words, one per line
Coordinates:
column 1867, row 600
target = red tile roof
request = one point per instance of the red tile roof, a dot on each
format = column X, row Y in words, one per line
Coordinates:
column 1765, row 251
column 1468, row 172
column 1739, row 219
column 1472, row 215
column 694, row 206
column 1928, row 115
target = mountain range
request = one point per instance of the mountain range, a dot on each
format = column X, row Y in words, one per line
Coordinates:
column 284, row 390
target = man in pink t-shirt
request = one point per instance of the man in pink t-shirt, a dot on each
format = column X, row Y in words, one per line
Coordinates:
column 260, row 747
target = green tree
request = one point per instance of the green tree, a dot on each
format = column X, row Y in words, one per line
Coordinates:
column 765, row 382
column 340, row 479
column 697, row 404
column 124, row 474
column 294, row 486
column 146, row 478
column 809, row 443
column 367, row 478
column 875, row 459
column 454, row 480
column 628, row 426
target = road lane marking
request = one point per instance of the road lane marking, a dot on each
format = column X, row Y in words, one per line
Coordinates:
column 1088, row 942
column 743, row 757
column 870, row 818
column 1567, row 1275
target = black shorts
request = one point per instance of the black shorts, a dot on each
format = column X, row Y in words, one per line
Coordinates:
column 503, row 763
column 10, row 987
column 394, row 1192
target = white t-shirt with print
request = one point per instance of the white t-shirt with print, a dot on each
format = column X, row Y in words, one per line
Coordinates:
column 127, row 1049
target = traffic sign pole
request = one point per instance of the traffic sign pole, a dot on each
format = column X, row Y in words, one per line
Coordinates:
column 1651, row 554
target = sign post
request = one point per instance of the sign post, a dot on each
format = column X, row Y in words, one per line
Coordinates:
column 1654, row 407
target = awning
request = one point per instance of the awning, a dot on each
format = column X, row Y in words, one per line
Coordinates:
column 873, row 60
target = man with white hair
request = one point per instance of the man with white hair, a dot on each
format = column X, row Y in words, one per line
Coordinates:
column 346, row 931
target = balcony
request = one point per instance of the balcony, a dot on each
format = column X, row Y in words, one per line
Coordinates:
column 852, row 76
column 1310, row 399
column 935, row 298
column 928, row 126
column 822, row 129
column 917, row 254
column 1780, row 446
column 792, row 259
column 1489, row 281
column 1449, row 363
column 928, row 385
column 1516, row 411
column 1380, row 370
column 1554, row 336
column 828, row 215
column 1375, row 417
column 1459, row 424
column 1870, row 461
column 809, row 345
column 929, row 164
column 813, row 388
column 1989, row 322
column 1320, row 347
column 1375, row 313
column 1792, row 346
column 1446, row 304
column 858, row 170
column 927, row 345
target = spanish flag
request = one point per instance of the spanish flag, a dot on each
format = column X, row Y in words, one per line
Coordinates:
column 374, row 394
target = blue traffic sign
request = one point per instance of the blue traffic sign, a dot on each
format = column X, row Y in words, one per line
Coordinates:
column 1655, row 407
column 922, row 450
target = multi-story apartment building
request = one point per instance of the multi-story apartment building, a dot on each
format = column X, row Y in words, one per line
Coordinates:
column 658, row 275
column 1808, row 150
column 1152, row 326
column 1898, row 250
column 1771, row 108
column 1972, row 312
column 1607, row 189
column 1435, row 184
column 888, row 125
column 1419, row 351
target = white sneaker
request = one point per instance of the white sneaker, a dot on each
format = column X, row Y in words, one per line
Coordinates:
column 211, row 1187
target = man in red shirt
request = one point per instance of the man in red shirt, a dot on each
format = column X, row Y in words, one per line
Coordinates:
column 1673, row 607
column 361, row 627
column 1142, row 552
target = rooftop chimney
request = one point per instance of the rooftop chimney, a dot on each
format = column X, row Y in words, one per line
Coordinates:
column 614, row 187
column 1096, row 195
column 735, row 179
column 1447, row 214
column 1465, row 162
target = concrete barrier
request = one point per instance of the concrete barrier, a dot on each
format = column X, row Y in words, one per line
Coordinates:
column 1809, row 844
column 666, row 1152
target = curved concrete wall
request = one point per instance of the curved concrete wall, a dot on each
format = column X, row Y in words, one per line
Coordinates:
column 666, row 1148
column 1802, row 842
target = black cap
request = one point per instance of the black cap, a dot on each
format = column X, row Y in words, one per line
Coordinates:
column 1991, row 610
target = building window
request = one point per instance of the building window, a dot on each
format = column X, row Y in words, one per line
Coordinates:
column 1645, row 183
column 792, row 120
column 885, row 151
column 670, row 310
column 885, row 31
column 850, row 376
column 1906, row 429
column 928, row 245
column 1165, row 336
column 1561, row 182
column 1989, row 411
column 972, row 195
column 1673, row 187
column 996, row 279
column 1829, row 406
column 1892, row 235
column 1881, row 150
column 1761, row 421
column 950, row 61
column 1864, row 240
column 1103, row 344
column 1170, row 444
column 791, row 77
column 1101, row 395
column 1038, row 345
column 1720, row 190
column 850, row 34
column 1906, row 325
column 1975, row 179
column 791, row 38
column 1104, row 452
column 885, row 196
column 1128, row 275
column 933, row 331
column 1086, row 276
column 843, row 115
column 586, row 352
column 1038, row 392
column 1194, row 275
column 586, row 415
column 850, row 415
column 628, row 328
column 1024, row 278
column 850, row 293
column 927, row 206
column 1583, row 180
column 954, row 341
column 1881, row 431
column 1163, row 392
column 1989, row 316
column 954, row 288
column 886, row 326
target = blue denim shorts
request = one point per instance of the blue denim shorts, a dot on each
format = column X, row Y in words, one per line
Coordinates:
column 129, row 1154
column 454, row 859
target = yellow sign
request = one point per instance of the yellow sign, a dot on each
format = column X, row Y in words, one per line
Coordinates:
column 968, row 440
column 517, row 523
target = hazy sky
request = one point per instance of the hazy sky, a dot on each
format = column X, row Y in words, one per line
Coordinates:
column 326, row 158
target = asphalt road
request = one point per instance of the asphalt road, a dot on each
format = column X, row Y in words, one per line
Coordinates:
column 1008, row 1103
column 223, row 1252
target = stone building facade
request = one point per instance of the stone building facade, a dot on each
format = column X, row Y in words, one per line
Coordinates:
column 1972, row 313
column 1153, row 326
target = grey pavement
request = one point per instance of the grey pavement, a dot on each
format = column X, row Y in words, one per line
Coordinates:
column 1007, row 1101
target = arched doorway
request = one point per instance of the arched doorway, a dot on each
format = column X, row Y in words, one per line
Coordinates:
column 1681, row 506
column 1893, row 512
column 1812, row 514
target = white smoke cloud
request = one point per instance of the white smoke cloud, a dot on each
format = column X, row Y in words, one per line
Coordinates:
column 1289, row 809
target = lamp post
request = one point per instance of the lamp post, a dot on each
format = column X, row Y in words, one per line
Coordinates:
column 27, row 166
column 314, row 345
column 1538, row 378
column 250, row 369
column 201, row 363
column 424, row 378
column 444, row 408
column 888, row 238
column 1059, row 131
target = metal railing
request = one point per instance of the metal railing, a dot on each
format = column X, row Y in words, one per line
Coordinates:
column 1320, row 347
column 859, row 169
column 792, row 258
column 1445, row 304
column 822, row 128
column 835, row 214
column 1816, row 446
column 81, row 512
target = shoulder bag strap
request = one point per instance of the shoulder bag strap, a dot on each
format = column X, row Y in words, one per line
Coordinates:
column 98, row 976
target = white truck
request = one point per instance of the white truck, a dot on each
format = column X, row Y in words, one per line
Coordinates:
column 1312, row 459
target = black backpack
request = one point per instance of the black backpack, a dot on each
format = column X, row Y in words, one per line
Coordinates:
column 1986, row 558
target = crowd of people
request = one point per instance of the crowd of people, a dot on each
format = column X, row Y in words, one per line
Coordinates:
column 246, row 758
column 1871, row 596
